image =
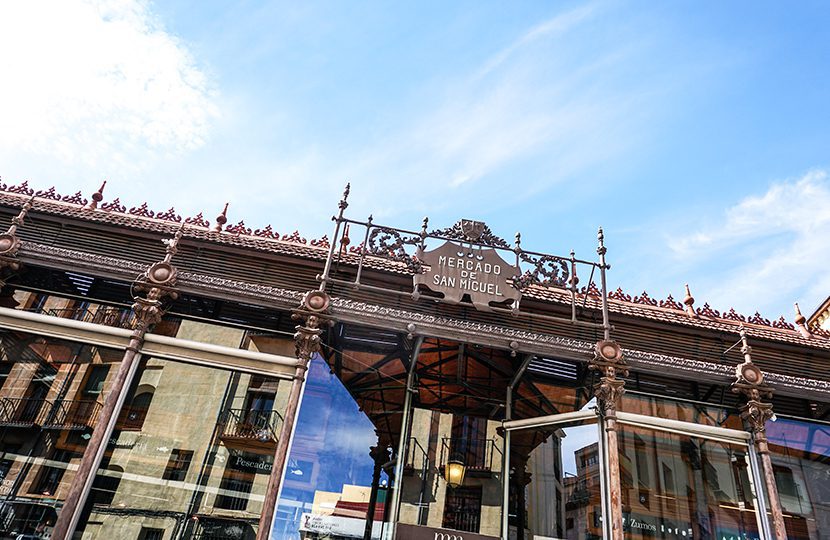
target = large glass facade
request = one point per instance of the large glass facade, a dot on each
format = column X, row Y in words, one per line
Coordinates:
column 190, row 456
column 51, row 392
column 800, row 452
column 679, row 486
column 337, row 479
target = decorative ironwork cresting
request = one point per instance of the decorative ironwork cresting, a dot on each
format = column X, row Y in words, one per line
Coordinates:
column 10, row 244
column 466, row 264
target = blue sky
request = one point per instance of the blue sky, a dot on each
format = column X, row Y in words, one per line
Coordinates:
column 695, row 133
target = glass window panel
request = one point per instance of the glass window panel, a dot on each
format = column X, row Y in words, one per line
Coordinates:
column 183, row 461
column 677, row 486
column 46, row 419
column 332, row 483
column 555, row 483
column 800, row 453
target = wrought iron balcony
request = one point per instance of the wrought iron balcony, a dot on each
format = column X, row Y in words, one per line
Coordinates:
column 258, row 427
column 71, row 414
column 22, row 412
column 61, row 414
column 107, row 316
column 480, row 456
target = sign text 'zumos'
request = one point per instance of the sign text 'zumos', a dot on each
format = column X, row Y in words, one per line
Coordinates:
column 456, row 270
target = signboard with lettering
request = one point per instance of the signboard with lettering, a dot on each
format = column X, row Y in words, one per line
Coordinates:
column 480, row 273
column 251, row 463
column 416, row 532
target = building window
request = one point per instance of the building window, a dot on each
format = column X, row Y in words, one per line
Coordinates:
column 469, row 441
column 462, row 511
column 148, row 533
column 50, row 476
column 178, row 465
column 95, row 380
column 234, row 490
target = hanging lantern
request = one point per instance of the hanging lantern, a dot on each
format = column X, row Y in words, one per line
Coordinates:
column 454, row 472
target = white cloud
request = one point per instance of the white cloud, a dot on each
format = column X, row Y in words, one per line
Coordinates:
column 773, row 248
column 97, row 83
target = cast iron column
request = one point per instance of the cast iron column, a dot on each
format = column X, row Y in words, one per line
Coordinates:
column 380, row 455
column 157, row 282
column 609, row 362
column 749, row 383
column 312, row 311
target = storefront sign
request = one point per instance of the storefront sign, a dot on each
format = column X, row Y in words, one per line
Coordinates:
column 481, row 273
column 251, row 463
column 414, row 532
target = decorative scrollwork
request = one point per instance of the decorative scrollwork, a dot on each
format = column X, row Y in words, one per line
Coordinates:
column 645, row 299
column 485, row 236
column 77, row 198
column 782, row 323
column 759, row 320
column 294, row 238
column 545, row 270
column 238, row 229
column 734, row 315
column 22, row 188
column 114, row 206
column 389, row 244
column 707, row 311
column 198, row 220
column 49, row 194
column 267, row 232
column 321, row 242
column 671, row 303
column 142, row 211
column 169, row 215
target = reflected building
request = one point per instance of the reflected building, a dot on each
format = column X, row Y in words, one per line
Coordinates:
column 383, row 383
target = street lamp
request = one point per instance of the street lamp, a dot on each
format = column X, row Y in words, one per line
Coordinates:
column 454, row 472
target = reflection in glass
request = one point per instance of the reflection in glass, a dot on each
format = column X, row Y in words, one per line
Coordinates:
column 800, row 453
column 335, row 473
column 677, row 486
column 182, row 462
column 555, row 483
column 50, row 397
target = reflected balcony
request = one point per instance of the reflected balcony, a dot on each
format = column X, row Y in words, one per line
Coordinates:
column 22, row 412
column 481, row 457
column 242, row 427
column 76, row 414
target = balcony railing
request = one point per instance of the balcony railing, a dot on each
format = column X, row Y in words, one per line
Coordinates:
column 72, row 414
column 61, row 414
column 107, row 316
column 22, row 412
column 253, row 426
column 478, row 455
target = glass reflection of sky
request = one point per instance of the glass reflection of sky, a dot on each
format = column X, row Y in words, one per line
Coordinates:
column 576, row 438
column 330, row 448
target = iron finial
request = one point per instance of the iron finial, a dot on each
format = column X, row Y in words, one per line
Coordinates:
column 601, row 250
column 424, row 225
column 801, row 322
column 221, row 219
column 518, row 242
column 689, row 301
column 344, row 201
column 97, row 197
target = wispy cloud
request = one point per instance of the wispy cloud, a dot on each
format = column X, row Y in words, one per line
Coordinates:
column 97, row 83
column 772, row 248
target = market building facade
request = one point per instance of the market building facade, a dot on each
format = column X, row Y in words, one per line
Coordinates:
column 167, row 378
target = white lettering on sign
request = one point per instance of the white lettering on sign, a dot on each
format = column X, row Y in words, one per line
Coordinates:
column 473, row 275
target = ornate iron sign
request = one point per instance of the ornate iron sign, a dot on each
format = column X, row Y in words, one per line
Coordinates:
column 456, row 270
